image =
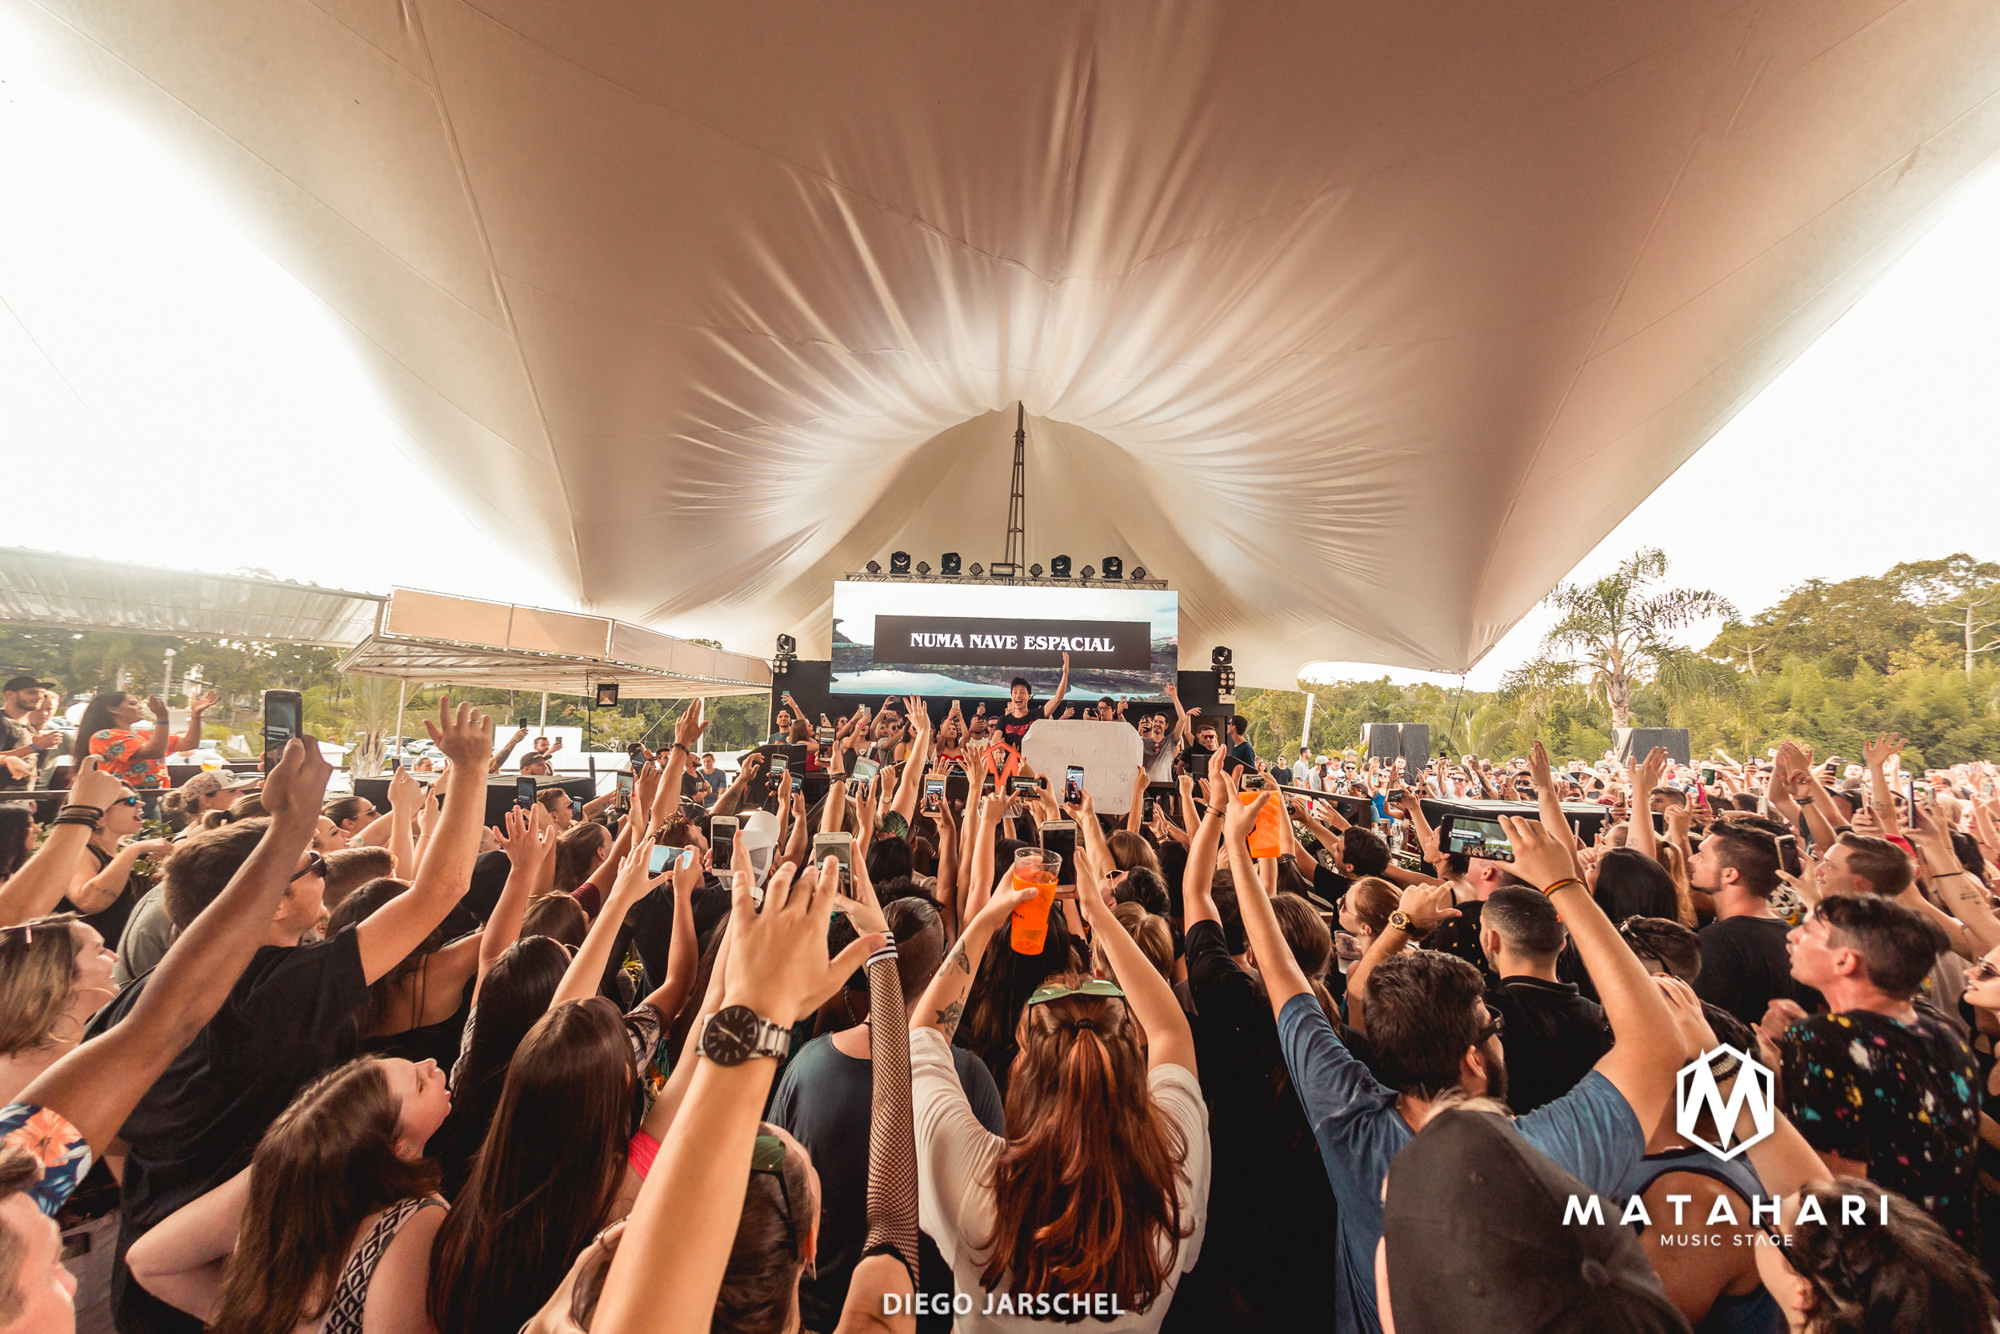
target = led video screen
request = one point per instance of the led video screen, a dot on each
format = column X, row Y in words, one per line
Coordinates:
column 972, row 640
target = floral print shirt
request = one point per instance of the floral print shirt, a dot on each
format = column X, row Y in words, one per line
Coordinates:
column 118, row 755
column 1902, row 1098
column 56, row 1144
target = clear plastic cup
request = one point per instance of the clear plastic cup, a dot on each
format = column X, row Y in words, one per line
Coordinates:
column 1036, row 869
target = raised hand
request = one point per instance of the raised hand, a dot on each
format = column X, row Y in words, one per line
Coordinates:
column 1428, row 904
column 203, row 704
column 777, row 957
column 1538, row 768
column 405, row 792
column 690, row 725
column 1540, row 857
column 158, row 707
column 293, row 791
column 1240, row 817
column 464, row 735
column 1877, row 753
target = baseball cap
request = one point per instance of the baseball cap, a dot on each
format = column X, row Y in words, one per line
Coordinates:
column 15, row 683
column 219, row 780
column 1473, row 1220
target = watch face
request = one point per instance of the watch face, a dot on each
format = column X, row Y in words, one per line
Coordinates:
column 731, row 1036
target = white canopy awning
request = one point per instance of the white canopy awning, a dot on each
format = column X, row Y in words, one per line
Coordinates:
column 466, row 641
column 46, row 588
column 1359, row 323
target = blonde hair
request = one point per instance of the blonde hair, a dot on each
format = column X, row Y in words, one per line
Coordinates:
column 37, row 979
column 1676, row 862
column 1372, row 899
column 1148, row 931
column 1129, row 850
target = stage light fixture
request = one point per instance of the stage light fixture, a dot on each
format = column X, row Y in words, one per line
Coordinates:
column 787, row 654
column 976, row 570
column 923, row 567
column 1114, row 568
column 873, row 567
column 899, row 562
column 1138, row 572
column 1059, row 567
column 1220, row 659
column 1001, row 569
column 1220, row 656
column 1089, row 572
column 607, row 696
column 948, row 564
column 1035, row 570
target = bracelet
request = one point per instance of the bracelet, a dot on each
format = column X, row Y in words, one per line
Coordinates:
column 86, row 821
column 77, row 808
column 1561, row 884
column 1725, row 1067
column 1946, row 875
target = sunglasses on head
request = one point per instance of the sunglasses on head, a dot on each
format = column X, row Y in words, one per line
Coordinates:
column 767, row 1158
column 315, row 865
column 1096, row 986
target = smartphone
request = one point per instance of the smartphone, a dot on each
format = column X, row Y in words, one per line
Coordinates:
column 1073, row 784
column 284, row 718
column 524, row 792
column 933, row 795
column 1152, row 808
column 1477, row 838
column 1017, row 787
column 986, row 785
column 657, row 859
column 395, row 763
column 722, row 840
column 825, row 738
column 625, row 785
column 864, row 770
column 1059, row 836
column 839, row 845
column 521, row 723
column 779, row 763
column 576, row 808
column 1707, row 775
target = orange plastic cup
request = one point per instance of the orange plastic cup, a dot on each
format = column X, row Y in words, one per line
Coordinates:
column 1036, row 869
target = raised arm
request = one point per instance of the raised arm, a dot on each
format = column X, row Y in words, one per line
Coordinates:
column 911, row 784
column 943, row 1003
column 526, row 850
column 1135, row 814
column 161, row 736
column 1169, row 1040
column 687, row 735
column 1062, row 689
column 1645, row 780
column 406, row 797
column 1283, row 978
column 498, row 762
column 99, row 1082
column 586, row 968
column 1877, row 754
column 676, row 1244
column 889, row 1250
column 197, row 708
column 39, row 885
column 388, row 935
column 1642, row 1060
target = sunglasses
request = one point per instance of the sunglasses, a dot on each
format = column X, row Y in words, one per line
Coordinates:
column 1496, row 1024
column 1983, row 971
column 1096, row 986
column 315, row 865
column 767, row 1158
column 134, row 801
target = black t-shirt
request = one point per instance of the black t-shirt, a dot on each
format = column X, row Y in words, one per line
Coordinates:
column 1744, row 967
column 1553, row 1036
column 1014, row 730
column 1271, row 1212
column 13, row 735
column 1636, row 897
column 650, row 924
column 289, row 1019
column 825, row 1099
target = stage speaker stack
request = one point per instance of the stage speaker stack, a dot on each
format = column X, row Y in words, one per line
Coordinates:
column 1638, row 742
column 1387, row 741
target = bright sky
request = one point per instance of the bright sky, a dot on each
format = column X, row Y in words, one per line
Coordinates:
column 158, row 364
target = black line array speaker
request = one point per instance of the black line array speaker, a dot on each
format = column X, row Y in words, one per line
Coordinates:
column 1638, row 742
column 1386, row 741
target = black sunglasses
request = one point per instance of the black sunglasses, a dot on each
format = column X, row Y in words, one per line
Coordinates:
column 315, row 865
column 1496, row 1024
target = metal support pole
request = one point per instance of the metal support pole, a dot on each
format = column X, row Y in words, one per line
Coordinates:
column 402, row 694
column 545, row 711
column 1305, row 732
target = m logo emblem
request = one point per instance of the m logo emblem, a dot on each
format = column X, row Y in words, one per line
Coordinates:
column 1696, row 1089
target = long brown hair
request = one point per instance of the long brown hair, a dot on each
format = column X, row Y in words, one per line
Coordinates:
column 1085, row 1189
column 546, row 1175
column 37, row 981
column 576, row 854
column 321, row 1169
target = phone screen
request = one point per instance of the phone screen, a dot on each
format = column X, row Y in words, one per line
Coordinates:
column 576, row 808
column 524, row 792
column 933, row 794
column 840, row 846
column 1059, row 836
column 722, row 840
column 1022, row 786
column 625, row 782
column 864, row 770
column 657, row 859
column 283, row 720
column 1073, row 784
column 1478, row 838
column 779, row 763
column 1707, row 775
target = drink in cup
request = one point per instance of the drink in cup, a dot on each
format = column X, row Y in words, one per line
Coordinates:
column 1036, row 869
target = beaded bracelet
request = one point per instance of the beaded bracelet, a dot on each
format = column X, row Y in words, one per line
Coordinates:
column 88, row 822
column 78, row 808
column 1564, row 883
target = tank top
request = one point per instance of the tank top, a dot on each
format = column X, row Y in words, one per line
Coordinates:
column 350, row 1294
column 1754, row 1312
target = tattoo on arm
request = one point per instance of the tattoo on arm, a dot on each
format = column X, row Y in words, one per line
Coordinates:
column 947, row 1018
column 964, row 964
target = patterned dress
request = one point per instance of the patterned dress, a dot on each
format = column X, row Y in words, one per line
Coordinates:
column 117, row 752
column 1902, row 1098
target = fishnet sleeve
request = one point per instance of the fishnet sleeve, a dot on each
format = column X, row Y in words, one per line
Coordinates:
column 892, row 1141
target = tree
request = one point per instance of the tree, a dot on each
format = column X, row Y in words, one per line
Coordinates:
column 1957, row 592
column 1617, row 628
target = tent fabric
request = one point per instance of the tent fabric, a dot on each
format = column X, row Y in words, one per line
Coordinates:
column 47, row 588
column 1358, row 323
column 470, row 641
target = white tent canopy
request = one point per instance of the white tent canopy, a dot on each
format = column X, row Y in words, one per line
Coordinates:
column 1360, row 324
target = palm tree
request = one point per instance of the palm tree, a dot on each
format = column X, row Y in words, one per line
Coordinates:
column 1617, row 628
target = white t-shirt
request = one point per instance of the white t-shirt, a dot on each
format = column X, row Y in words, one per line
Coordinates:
column 955, row 1157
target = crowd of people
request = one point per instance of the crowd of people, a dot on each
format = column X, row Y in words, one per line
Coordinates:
column 830, row 1045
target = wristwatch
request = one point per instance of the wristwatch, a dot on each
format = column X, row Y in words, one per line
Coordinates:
column 736, row 1033
column 1400, row 921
